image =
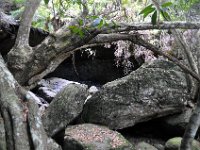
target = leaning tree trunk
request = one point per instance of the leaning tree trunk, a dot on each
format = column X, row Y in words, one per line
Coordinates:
column 23, row 125
column 13, row 111
column 21, row 53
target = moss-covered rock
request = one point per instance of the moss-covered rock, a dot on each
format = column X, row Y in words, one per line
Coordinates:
column 174, row 144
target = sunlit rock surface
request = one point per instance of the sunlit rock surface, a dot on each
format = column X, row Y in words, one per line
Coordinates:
column 94, row 137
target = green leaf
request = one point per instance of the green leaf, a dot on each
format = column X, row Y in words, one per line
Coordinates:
column 74, row 29
column 154, row 18
column 124, row 2
column 165, row 15
column 101, row 24
column 46, row 2
column 167, row 4
column 146, row 9
column 92, row 17
column 77, row 30
column 19, row 1
column 81, row 33
column 80, row 22
column 148, row 12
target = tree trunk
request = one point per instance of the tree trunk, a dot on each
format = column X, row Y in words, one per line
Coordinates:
column 22, row 53
column 23, row 125
column 192, row 128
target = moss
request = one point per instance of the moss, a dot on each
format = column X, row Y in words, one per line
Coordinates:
column 174, row 144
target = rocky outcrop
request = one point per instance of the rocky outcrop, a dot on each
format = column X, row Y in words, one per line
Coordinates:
column 152, row 91
column 94, row 137
column 66, row 106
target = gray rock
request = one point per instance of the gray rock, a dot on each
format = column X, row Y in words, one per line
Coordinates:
column 48, row 88
column 94, row 137
column 174, row 144
column 156, row 90
column 145, row 146
column 66, row 106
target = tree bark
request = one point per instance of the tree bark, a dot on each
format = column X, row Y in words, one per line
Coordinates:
column 12, row 111
column 23, row 125
column 21, row 53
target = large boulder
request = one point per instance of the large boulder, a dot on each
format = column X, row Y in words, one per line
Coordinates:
column 152, row 91
column 66, row 106
column 94, row 137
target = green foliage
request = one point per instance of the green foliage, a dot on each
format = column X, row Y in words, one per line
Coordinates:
column 180, row 8
column 19, row 1
column 148, row 10
column 184, row 5
column 65, row 10
column 167, row 4
column 154, row 18
column 75, row 1
column 165, row 15
column 151, row 9
column 46, row 2
column 17, row 13
column 125, row 2
column 77, row 30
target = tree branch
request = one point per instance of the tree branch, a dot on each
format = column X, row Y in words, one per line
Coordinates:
column 25, row 24
column 160, row 26
column 21, row 53
column 107, row 38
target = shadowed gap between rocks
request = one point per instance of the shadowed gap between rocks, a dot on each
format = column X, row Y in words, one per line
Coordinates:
column 96, row 66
